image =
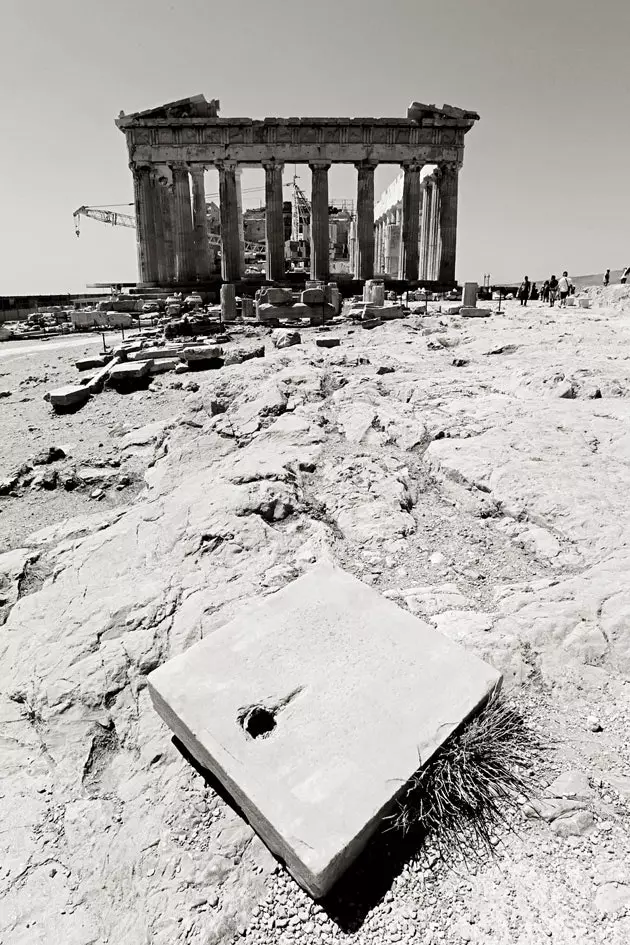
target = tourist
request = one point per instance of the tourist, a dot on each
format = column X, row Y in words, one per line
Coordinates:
column 606, row 277
column 564, row 287
column 553, row 290
column 544, row 292
column 625, row 274
column 524, row 290
column 534, row 293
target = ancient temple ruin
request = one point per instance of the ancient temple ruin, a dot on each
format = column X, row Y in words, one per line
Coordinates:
column 170, row 147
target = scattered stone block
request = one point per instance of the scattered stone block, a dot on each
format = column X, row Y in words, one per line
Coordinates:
column 129, row 373
column 327, row 342
column 238, row 355
column 312, row 297
column 302, row 310
column 469, row 295
column 279, row 296
column 72, row 395
column 266, row 312
column 467, row 311
column 154, row 354
column 313, row 708
column 228, row 303
column 285, row 338
column 202, row 353
column 163, row 365
column 91, row 364
column 248, row 308
column 389, row 312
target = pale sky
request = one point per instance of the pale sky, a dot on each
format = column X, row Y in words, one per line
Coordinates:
column 545, row 183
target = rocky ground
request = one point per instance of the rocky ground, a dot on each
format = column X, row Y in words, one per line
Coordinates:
column 474, row 470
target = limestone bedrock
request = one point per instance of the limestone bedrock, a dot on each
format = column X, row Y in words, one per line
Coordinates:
column 313, row 709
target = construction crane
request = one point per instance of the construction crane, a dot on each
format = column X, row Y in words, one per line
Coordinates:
column 115, row 218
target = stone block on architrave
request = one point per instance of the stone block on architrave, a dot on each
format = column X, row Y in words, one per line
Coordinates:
column 313, row 709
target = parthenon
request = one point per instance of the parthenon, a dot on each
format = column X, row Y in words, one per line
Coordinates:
column 170, row 147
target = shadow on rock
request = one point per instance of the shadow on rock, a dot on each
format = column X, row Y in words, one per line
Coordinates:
column 366, row 881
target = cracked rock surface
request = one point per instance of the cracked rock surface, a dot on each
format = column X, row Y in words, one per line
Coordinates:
column 476, row 494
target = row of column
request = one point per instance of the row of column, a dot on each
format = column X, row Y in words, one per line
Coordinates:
column 172, row 226
column 418, row 242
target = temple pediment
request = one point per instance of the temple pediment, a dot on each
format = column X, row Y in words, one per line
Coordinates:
column 418, row 111
column 196, row 106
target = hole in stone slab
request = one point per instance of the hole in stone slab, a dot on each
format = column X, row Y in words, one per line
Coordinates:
column 257, row 721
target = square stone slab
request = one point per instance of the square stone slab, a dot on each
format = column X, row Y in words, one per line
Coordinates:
column 312, row 709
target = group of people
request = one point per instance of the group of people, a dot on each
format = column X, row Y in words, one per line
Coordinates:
column 551, row 290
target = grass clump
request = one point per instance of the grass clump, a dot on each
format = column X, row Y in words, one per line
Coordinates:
column 475, row 785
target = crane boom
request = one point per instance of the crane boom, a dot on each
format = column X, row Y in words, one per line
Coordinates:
column 114, row 218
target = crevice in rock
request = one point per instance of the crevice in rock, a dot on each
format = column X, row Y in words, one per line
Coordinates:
column 105, row 743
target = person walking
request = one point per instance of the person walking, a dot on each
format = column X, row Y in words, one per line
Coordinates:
column 606, row 278
column 624, row 275
column 524, row 290
column 564, row 287
column 544, row 292
column 553, row 290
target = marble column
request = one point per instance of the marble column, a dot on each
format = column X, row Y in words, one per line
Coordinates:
column 320, row 252
column 200, row 224
column 448, row 222
column 378, row 235
column 167, row 267
column 434, row 231
column 392, row 245
column 158, row 229
column 144, row 199
column 241, row 222
column 365, row 221
column 228, row 206
column 410, row 222
column 274, row 223
column 183, row 225
column 424, row 229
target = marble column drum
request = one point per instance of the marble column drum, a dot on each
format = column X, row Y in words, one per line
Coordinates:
column 274, row 223
column 320, row 263
column 365, row 221
column 410, row 223
column 230, row 241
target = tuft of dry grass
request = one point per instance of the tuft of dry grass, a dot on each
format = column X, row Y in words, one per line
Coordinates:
column 475, row 785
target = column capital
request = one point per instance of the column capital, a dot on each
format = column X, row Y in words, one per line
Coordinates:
column 226, row 165
column 196, row 169
column 138, row 170
column 367, row 165
column 450, row 167
column 412, row 165
column 319, row 165
column 273, row 165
